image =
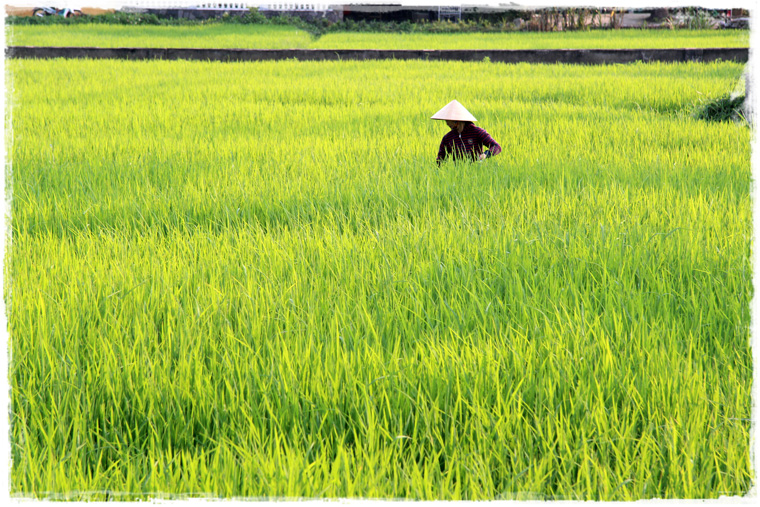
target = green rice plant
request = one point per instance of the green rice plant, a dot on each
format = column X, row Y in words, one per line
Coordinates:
column 725, row 108
column 251, row 280
column 282, row 36
column 593, row 39
column 155, row 36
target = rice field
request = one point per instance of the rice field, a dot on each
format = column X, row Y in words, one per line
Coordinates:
column 194, row 36
column 284, row 37
column 596, row 39
column 252, row 280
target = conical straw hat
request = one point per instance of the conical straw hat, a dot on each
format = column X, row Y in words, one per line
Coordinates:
column 453, row 111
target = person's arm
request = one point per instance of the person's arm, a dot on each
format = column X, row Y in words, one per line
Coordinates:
column 493, row 147
column 441, row 153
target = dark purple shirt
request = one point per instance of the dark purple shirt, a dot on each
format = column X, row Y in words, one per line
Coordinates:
column 467, row 144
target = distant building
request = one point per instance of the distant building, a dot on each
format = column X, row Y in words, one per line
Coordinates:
column 206, row 10
column 304, row 10
column 309, row 10
column 178, row 9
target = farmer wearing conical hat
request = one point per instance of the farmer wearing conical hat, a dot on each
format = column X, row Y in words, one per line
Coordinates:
column 465, row 139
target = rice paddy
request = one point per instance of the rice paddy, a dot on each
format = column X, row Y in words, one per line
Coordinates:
column 284, row 37
column 195, row 36
column 252, row 280
column 596, row 39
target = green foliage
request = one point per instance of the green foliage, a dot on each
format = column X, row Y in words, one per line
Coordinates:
column 496, row 18
column 698, row 19
column 111, row 18
column 215, row 35
column 536, row 40
column 280, row 33
column 725, row 108
column 553, row 19
column 252, row 280
column 253, row 16
column 471, row 25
